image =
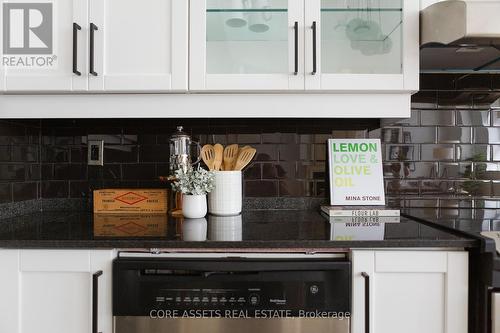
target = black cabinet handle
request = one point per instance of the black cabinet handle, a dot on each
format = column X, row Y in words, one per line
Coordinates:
column 76, row 27
column 296, row 33
column 367, row 301
column 93, row 28
column 95, row 300
column 314, row 29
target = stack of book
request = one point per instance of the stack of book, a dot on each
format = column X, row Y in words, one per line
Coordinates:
column 360, row 211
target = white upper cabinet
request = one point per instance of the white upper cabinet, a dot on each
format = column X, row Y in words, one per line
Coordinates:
column 333, row 45
column 138, row 45
column 2, row 69
column 96, row 45
column 39, row 50
column 246, row 45
column 299, row 46
column 362, row 45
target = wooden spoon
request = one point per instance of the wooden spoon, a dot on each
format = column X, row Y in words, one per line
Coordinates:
column 230, row 156
column 244, row 158
column 208, row 156
column 219, row 151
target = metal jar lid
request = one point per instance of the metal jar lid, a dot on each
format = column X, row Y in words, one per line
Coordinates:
column 179, row 134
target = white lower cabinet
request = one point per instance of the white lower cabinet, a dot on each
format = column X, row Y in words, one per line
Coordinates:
column 410, row 291
column 495, row 312
column 51, row 291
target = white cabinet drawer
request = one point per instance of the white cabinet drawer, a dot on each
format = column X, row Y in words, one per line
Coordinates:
column 410, row 261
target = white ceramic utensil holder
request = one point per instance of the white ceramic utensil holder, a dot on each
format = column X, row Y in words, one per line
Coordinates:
column 226, row 199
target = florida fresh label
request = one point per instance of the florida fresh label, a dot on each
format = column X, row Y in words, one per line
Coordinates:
column 355, row 167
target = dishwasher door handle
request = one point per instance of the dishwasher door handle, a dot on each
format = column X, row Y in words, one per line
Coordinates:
column 367, row 301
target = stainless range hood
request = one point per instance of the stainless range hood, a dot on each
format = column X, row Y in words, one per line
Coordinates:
column 460, row 36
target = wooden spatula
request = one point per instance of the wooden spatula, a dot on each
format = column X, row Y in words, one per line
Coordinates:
column 244, row 158
column 219, row 152
column 208, row 156
column 230, row 156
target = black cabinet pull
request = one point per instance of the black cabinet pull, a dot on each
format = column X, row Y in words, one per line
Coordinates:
column 367, row 301
column 76, row 27
column 296, row 33
column 314, row 48
column 95, row 300
column 93, row 28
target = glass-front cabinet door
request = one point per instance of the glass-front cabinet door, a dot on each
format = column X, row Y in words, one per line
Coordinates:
column 247, row 45
column 361, row 44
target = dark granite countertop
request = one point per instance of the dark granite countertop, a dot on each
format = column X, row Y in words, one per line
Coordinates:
column 467, row 222
column 286, row 230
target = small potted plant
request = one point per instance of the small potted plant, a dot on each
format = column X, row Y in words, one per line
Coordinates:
column 194, row 184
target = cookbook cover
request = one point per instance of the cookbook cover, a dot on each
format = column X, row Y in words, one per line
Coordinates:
column 355, row 172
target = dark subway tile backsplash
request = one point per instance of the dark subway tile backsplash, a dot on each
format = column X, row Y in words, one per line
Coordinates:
column 446, row 154
column 55, row 189
column 24, row 191
column 139, row 171
column 261, row 188
column 5, row 153
column 5, row 193
column 12, row 172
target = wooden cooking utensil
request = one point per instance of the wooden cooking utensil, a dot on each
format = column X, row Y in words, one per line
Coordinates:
column 244, row 158
column 219, row 152
column 208, row 156
column 230, row 156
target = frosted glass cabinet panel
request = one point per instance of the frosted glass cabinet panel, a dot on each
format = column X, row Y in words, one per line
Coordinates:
column 246, row 45
column 361, row 37
column 251, row 37
column 304, row 45
column 361, row 45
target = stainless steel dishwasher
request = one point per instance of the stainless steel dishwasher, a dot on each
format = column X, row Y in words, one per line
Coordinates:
column 231, row 295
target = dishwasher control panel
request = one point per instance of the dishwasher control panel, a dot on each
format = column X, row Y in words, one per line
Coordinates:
column 269, row 295
column 210, row 297
column 139, row 287
column 238, row 295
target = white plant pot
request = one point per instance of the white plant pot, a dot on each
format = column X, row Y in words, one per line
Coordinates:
column 194, row 206
column 227, row 196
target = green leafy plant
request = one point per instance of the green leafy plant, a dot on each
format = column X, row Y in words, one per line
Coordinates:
column 194, row 181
